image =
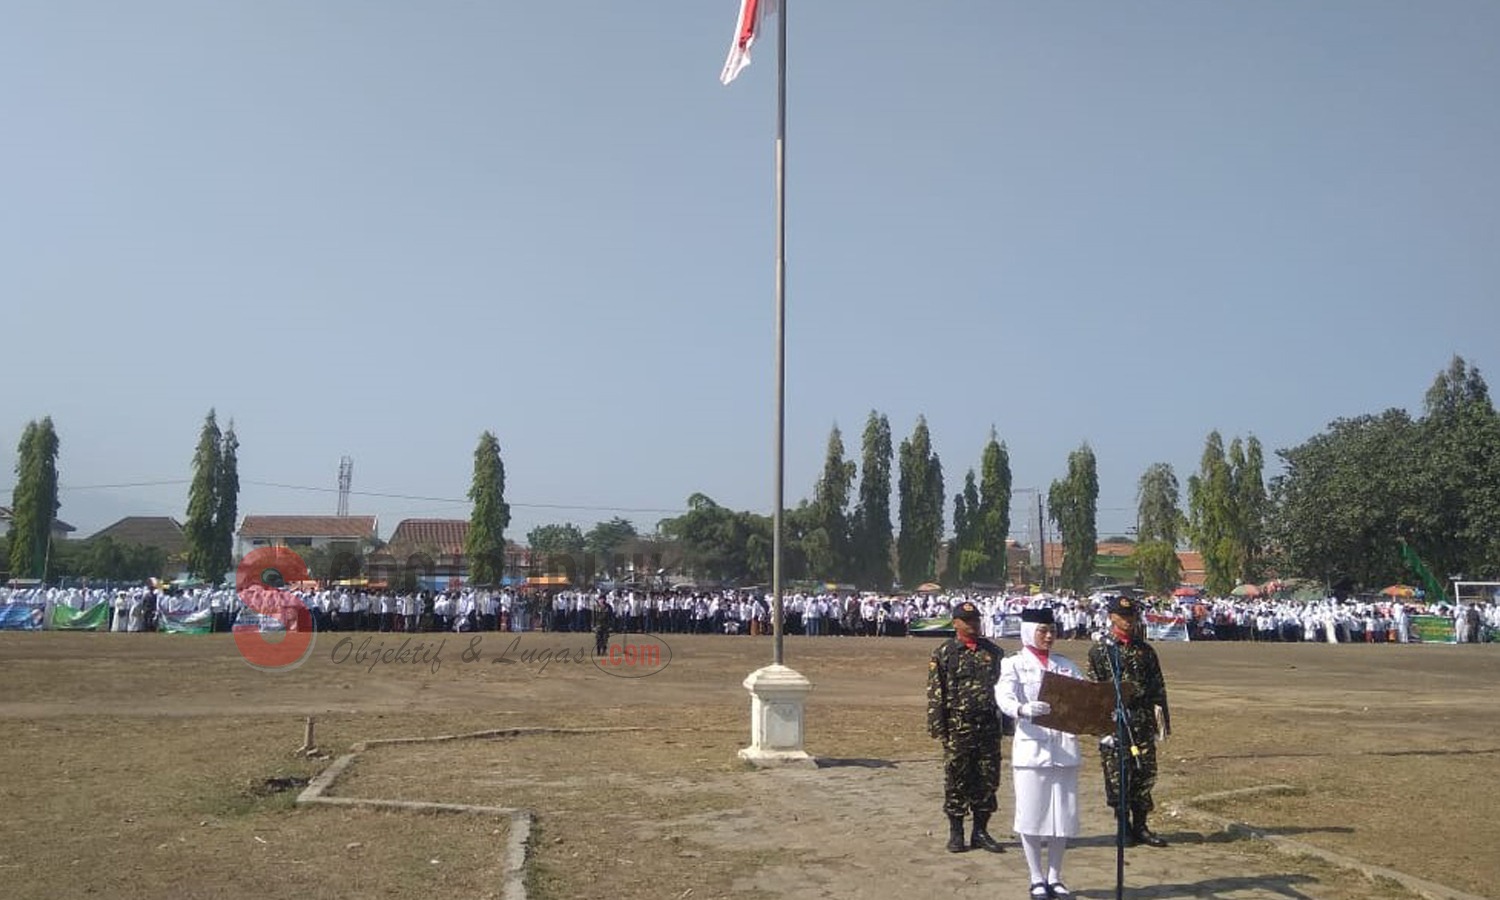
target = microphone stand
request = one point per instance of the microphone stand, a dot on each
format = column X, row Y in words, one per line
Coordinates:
column 1122, row 738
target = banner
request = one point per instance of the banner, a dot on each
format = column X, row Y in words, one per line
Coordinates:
column 21, row 617
column 199, row 622
column 937, row 626
column 1009, row 626
column 66, row 618
column 1162, row 627
column 1433, row 630
column 249, row 620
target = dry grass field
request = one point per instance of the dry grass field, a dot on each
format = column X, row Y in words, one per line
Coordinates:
column 162, row 766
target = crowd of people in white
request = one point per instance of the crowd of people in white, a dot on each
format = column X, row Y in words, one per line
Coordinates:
column 745, row 612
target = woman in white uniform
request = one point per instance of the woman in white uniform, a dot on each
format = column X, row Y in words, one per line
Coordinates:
column 1044, row 761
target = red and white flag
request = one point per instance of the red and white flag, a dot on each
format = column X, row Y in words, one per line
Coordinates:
column 746, row 30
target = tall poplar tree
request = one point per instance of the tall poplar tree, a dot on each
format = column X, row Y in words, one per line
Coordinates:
column 1212, row 517
column 831, row 513
column 1159, row 524
column 227, row 501
column 1073, row 505
column 1247, row 466
column 201, row 529
column 953, row 573
column 1457, row 475
column 34, row 500
column 872, row 517
column 966, row 562
column 484, row 545
column 992, row 525
column 920, row 487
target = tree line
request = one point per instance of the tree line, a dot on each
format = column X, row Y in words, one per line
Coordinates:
column 1354, row 507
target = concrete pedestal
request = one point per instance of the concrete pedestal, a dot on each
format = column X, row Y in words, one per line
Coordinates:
column 777, row 696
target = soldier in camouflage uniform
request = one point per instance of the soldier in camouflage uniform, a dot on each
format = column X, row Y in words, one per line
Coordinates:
column 963, row 714
column 1139, row 667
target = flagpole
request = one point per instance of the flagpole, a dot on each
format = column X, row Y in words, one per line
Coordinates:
column 776, row 523
column 777, row 693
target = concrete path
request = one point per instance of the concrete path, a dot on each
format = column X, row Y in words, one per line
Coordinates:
column 873, row 829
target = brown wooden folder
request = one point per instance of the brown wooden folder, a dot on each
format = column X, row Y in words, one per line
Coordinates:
column 1078, row 706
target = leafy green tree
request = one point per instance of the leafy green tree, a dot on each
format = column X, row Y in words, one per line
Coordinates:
column 226, row 500
column 1073, row 504
column 201, row 528
column 1160, row 522
column 484, row 545
column 1227, row 504
column 953, row 569
column 921, row 512
column 992, row 524
column 735, row 547
column 1213, row 520
column 1350, row 496
column 1458, row 531
column 1346, row 495
column 872, row 532
column 704, row 531
column 34, row 501
column 565, row 539
column 1247, row 466
column 1158, row 514
column 606, row 537
column 105, row 559
column 830, row 510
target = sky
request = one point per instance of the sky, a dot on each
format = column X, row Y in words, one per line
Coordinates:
column 376, row 229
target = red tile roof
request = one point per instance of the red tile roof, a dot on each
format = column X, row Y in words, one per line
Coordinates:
column 346, row 527
column 445, row 536
column 1190, row 560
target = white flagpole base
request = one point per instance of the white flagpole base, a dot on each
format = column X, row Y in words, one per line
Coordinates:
column 777, row 697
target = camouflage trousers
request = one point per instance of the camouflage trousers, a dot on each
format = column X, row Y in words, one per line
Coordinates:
column 1140, row 777
column 971, row 775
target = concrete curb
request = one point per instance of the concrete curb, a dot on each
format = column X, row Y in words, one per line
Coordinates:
column 1420, row 886
column 517, row 846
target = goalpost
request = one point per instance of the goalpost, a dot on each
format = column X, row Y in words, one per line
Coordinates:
column 1477, row 593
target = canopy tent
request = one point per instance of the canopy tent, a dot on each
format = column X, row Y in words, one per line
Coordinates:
column 547, row 581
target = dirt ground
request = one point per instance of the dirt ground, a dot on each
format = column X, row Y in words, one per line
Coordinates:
column 162, row 766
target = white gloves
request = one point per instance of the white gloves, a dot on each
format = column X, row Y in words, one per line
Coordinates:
column 1035, row 708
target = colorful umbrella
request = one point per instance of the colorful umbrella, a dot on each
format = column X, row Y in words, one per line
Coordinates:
column 1187, row 592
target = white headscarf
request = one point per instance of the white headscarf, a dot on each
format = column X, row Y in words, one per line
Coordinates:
column 1028, row 635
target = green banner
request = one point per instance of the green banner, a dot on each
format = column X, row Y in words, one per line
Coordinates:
column 66, row 618
column 200, row 622
column 1433, row 630
column 938, row 626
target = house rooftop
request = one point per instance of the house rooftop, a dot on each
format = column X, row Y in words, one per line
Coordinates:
column 57, row 524
column 163, row 532
column 337, row 527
